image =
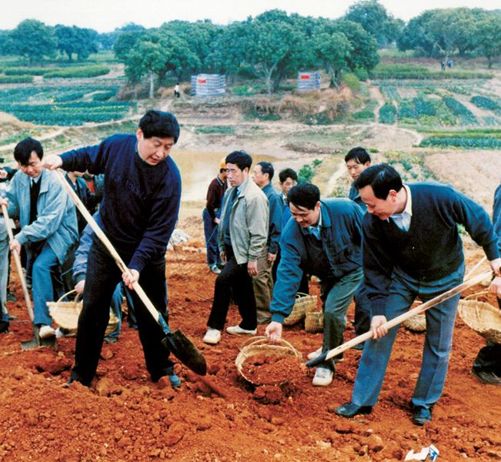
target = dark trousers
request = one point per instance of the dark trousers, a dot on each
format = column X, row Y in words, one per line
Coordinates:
column 362, row 322
column 102, row 277
column 233, row 279
column 210, row 232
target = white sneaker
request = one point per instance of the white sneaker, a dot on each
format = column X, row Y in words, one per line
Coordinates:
column 215, row 269
column 46, row 331
column 323, row 377
column 315, row 353
column 237, row 330
column 212, row 336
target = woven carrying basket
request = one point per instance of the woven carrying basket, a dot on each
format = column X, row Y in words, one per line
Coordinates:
column 416, row 324
column 65, row 314
column 260, row 345
column 304, row 303
column 482, row 317
column 314, row 322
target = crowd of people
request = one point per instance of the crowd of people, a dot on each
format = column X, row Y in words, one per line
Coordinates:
column 384, row 245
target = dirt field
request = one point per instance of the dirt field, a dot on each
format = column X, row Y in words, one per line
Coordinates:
column 125, row 417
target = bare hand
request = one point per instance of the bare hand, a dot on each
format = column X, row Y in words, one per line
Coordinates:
column 223, row 257
column 274, row 331
column 377, row 328
column 130, row 278
column 217, row 220
column 252, row 268
column 271, row 257
column 495, row 286
column 4, row 201
column 52, row 162
column 15, row 246
column 3, row 174
column 496, row 266
column 79, row 288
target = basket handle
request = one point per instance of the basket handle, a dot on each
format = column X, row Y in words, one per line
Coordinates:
column 476, row 294
column 260, row 339
column 76, row 300
column 302, row 294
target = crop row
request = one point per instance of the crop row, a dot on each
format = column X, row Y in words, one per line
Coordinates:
column 52, row 72
column 484, row 102
column 462, row 142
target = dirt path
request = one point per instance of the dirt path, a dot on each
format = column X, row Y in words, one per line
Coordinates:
column 375, row 93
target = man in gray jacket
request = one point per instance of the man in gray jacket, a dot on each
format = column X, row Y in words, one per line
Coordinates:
column 48, row 224
column 242, row 236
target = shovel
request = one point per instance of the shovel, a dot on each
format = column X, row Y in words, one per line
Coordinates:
column 36, row 341
column 176, row 342
column 325, row 356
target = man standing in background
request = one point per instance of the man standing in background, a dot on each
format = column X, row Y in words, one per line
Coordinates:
column 211, row 214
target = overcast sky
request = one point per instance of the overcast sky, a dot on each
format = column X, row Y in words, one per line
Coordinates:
column 106, row 15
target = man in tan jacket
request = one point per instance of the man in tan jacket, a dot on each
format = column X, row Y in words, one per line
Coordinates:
column 242, row 237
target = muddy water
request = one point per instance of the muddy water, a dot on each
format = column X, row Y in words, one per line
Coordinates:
column 198, row 168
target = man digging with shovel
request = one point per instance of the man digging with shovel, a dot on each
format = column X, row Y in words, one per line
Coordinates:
column 412, row 248
column 138, row 213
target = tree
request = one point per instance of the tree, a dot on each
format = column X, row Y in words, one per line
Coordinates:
column 126, row 39
column 374, row 18
column 487, row 37
column 332, row 50
column 76, row 40
column 33, row 40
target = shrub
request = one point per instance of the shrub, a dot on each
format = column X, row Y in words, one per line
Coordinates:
column 388, row 114
column 351, row 81
column 485, row 103
column 361, row 74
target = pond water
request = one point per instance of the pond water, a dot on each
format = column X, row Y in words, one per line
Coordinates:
column 199, row 168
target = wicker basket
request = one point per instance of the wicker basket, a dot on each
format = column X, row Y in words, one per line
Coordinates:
column 416, row 324
column 304, row 303
column 314, row 322
column 65, row 314
column 259, row 345
column 482, row 317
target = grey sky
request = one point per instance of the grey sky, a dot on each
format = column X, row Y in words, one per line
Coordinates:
column 106, row 15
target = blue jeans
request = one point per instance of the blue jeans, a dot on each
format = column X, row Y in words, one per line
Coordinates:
column 210, row 232
column 44, row 266
column 437, row 346
column 116, row 308
column 337, row 298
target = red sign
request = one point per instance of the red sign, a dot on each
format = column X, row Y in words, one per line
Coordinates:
column 202, row 81
column 304, row 76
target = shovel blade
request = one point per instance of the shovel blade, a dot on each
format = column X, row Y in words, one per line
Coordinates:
column 317, row 360
column 184, row 350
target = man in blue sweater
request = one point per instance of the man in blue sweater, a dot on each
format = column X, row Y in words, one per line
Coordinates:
column 412, row 249
column 139, row 210
column 323, row 239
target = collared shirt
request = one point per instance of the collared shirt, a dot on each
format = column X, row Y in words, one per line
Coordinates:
column 315, row 230
column 403, row 219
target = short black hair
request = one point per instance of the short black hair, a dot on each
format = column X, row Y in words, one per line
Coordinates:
column 240, row 158
column 359, row 155
column 23, row 150
column 304, row 195
column 382, row 178
column 287, row 173
column 267, row 167
column 160, row 124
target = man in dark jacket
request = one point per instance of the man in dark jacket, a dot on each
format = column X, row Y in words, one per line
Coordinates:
column 139, row 210
column 324, row 239
column 211, row 214
column 412, row 249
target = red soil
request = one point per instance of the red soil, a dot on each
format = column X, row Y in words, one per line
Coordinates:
column 125, row 417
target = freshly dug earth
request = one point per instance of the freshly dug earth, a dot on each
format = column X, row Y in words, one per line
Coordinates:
column 267, row 369
column 125, row 417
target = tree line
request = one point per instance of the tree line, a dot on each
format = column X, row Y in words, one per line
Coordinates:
column 271, row 46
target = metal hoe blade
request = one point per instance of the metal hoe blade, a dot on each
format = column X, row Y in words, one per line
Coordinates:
column 184, row 350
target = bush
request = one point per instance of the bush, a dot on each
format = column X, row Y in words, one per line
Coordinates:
column 459, row 109
column 78, row 72
column 351, row 81
column 485, row 103
column 361, row 74
column 16, row 79
column 388, row 114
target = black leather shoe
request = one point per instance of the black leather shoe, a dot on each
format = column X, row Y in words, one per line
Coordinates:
column 421, row 415
column 350, row 410
column 4, row 327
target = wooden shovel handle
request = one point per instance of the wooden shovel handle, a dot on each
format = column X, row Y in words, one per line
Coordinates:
column 19, row 267
column 109, row 246
column 409, row 314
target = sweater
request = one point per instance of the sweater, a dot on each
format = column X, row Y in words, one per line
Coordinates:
column 275, row 205
column 215, row 194
column 432, row 247
column 140, row 204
